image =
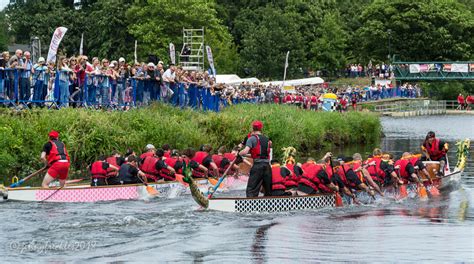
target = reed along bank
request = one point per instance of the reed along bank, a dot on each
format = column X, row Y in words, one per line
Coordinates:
column 91, row 133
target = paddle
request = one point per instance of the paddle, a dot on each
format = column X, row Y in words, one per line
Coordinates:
column 16, row 184
column 151, row 191
column 214, row 189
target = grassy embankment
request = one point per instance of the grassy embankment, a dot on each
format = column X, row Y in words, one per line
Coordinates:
column 88, row 133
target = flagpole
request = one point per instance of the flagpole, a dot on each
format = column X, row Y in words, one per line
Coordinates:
column 286, row 66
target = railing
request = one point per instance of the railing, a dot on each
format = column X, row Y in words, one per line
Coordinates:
column 57, row 89
column 407, row 106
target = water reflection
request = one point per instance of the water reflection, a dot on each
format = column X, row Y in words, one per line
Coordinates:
column 258, row 245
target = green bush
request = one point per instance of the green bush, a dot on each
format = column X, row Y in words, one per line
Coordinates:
column 90, row 133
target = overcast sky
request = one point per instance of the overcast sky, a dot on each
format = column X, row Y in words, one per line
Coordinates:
column 3, row 3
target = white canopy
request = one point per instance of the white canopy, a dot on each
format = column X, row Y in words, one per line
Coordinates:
column 234, row 79
column 297, row 82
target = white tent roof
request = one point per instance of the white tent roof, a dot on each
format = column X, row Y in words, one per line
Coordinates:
column 225, row 78
column 297, row 82
column 234, row 79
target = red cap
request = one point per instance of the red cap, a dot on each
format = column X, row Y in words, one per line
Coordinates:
column 53, row 134
column 257, row 125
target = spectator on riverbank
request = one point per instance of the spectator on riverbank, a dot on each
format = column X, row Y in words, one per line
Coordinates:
column 461, row 102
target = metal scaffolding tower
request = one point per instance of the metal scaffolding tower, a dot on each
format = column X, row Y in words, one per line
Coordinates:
column 192, row 53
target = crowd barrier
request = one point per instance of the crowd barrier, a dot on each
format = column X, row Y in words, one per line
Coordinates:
column 55, row 89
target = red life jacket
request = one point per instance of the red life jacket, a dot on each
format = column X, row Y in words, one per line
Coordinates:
column 58, row 152
column 291, row 180
column 328, row 170
column 97, row 171
column 403, row 167
column 310, row 175
column 218, row 160
column 278, row 182
column 375, row 171
column 414, row 161
column 199, row 158
column 434, row 151
column 143, row 158
column 165, row 173
column 355, row 166
column 341, row 171
column 299, row 99
column 112, row 161
column 149, row 168
column 167, row 154
column 314, row 100
column 288, row 99
column 262, row 150
column 276, row 99
column 229, row 156
column 460, row 99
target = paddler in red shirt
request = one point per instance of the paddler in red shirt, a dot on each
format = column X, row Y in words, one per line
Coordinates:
column 435, row 149
column 55, row 156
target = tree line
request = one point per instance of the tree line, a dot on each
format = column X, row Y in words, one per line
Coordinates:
column 251, row 37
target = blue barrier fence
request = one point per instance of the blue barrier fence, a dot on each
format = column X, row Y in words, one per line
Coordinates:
column 57, row 89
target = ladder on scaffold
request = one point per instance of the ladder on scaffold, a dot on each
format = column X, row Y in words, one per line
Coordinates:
column 192, row 52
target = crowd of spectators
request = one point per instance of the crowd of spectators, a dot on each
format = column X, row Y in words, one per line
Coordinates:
column 79, row 82
column 380, row 71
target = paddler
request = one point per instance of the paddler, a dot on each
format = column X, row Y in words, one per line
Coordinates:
column 279, row 177
column 315, row 178
column 223, row 161
column 293, row 174
column 175, row 162
column 388, row 167
column 165, row 169
column 434, row 149
column 129, row 172
column 361, row 170
column 99, row 171
column 150, row 151
column 167, row 150
column 349, row 176
column 406, row 169
column 203, row 157
column 152, row 165
column 259, row 147
column 55, row 156
column 115, row 160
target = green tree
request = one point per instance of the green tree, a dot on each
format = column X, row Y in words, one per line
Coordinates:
column 3, row 32
column 157, row 23
column 330, row 45
column 267, row 34
column 420, row 30
column 106, row 30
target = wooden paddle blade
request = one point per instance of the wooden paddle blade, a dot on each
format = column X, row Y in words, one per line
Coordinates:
column 151, row 191
column 338, row 200
column 434, row 191
column 180, row 179
column 422, row 192
column 212, row 181
column 403, row 191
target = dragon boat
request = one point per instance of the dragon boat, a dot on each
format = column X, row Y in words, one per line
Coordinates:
column 80, row 193
column 449, row 181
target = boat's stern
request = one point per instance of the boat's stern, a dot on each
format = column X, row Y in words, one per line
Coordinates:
column 3, row 192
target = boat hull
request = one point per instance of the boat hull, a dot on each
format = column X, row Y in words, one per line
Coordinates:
column 86, row 193
column 272, row 204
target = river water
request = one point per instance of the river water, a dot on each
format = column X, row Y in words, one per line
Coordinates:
column 176, row 230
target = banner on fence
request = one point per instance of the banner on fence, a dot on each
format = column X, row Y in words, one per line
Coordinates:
column 172, row 54
column 55, row 40
column 458, row 67
column 414, row 68
column 210, row 59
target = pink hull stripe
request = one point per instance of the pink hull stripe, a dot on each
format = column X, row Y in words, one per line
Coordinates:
column 89, row 194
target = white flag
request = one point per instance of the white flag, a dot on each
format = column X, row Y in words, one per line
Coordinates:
column 210, row 59
column 286, row 66
column 172, row 54
column 82, row 43
column 55, row 40
column 135, row 53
